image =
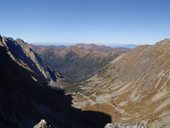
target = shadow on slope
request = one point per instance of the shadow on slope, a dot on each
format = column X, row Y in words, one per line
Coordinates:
column 18, row 52
column 24, row 102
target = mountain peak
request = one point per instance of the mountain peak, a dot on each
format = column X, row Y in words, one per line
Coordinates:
column 21, row 42
column 166, row 40
column 22, row 53
column 163, row 44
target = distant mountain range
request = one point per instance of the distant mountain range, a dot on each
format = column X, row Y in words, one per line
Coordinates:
column 78, row 62
column 131, row 46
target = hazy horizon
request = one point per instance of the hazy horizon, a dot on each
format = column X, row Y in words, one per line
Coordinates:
column 75, row 43
column 71, row 44
column 104, row 22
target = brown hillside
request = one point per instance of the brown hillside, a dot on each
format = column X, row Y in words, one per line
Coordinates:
column 133, row 87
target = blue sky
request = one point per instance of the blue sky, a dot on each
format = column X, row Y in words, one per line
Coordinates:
column 90, row 21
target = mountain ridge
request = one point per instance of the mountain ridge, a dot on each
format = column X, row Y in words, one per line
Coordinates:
column 78, row 62
column 23, row 54
column 133, row 87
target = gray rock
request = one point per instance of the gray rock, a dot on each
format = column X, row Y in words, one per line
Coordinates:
column 42, row 124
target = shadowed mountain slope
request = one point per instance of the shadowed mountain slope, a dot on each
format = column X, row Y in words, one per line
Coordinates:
column 22, row 54
column 133, row 87
column 25, row 100
column 78, row 62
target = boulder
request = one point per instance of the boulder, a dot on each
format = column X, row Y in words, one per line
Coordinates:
column 42, row 124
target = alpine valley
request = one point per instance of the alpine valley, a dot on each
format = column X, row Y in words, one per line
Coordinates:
column 84, row 86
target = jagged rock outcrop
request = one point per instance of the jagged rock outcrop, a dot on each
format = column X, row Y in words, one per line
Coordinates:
column 78, row 62
column 42, row 124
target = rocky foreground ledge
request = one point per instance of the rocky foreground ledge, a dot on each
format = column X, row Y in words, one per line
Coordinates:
column 42, row 124
column 142, row 124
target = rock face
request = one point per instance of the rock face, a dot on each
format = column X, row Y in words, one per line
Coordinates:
column 142, row 124
column 78, row 62
column 25, row 99
column 133, row 87
column 42, row 124
column 22, row 54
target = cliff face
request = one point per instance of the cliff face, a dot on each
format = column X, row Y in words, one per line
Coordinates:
column 133, row 87
column 23, row 55
column 78, row 62
column 17, row 89
column 25, row 99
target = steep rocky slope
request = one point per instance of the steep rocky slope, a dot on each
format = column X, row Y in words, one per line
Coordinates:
column 78, row 62
column 25, row 99
column 134, row 87
column 22, row 54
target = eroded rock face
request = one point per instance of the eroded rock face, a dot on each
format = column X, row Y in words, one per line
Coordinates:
column 142, row 124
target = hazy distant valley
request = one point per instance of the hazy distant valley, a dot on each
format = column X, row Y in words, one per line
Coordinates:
column 84, row 85
column 78, row 62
